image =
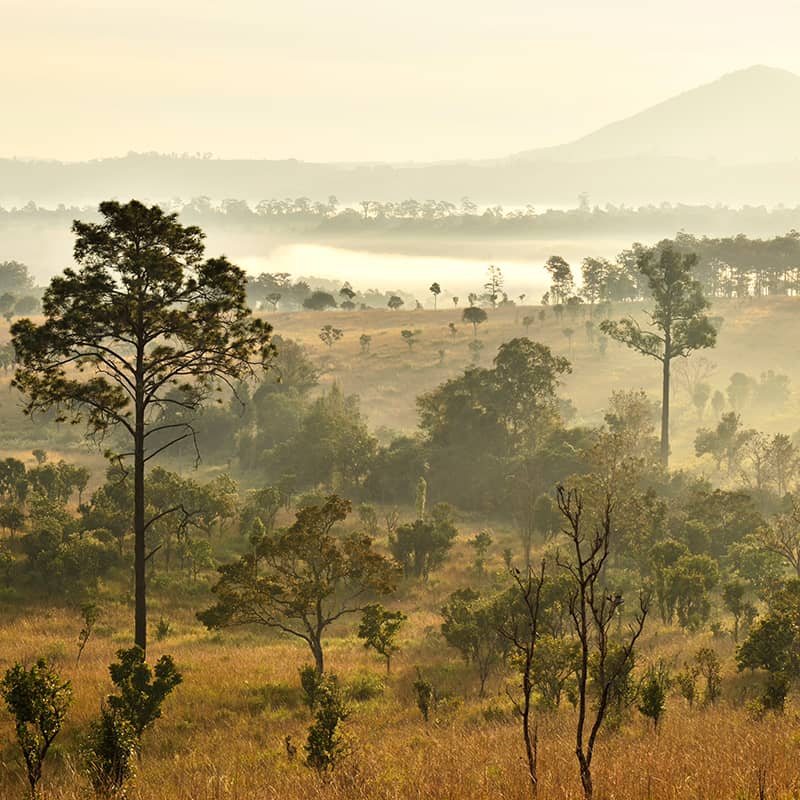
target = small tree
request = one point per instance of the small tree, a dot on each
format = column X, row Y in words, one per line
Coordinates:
column 410, row 338
column 365, row 340
column 426, row 695
column 472, row 625
column 330, row 335
column 481, row 543
column 379, row 628
column 90, row 613
column 326, row 745
column 109, row 751
column 592, row 610
column 435, row 290
column 38, row 701
column 453, row 329
column 569, row 333
column 653, row 692
column 709, row 669
column 474, row 316
column 521, row 631
column 422, row 545
column 527, row 321
column 476, row 348
column 142, row 690
column 395, row 302
column 455, row 301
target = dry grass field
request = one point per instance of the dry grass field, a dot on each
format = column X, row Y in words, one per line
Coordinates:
column 223, row 730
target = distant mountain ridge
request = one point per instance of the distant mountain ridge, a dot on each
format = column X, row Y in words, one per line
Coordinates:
column 735, row 140
column 746, row 117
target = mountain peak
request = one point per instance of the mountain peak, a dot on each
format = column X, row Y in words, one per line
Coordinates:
column 751, row 115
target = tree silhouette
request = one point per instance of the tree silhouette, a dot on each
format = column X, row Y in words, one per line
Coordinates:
column 435, row 290
column 143, row 324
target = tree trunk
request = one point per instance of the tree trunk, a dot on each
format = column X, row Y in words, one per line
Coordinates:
column 586, row 778
column 665, row 405
column 319, row 660
column 531, row 743
column 139, row 555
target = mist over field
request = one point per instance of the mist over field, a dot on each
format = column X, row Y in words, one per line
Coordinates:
column 399, row 401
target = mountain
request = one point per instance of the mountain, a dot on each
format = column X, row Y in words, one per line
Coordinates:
column 747, row 117
column 733, row 141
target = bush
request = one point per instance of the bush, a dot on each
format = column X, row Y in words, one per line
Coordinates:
column 326, row 744
column 108, row 753
column 365, row 686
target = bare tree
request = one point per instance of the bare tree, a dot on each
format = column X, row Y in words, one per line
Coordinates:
column 592, row 610
column 521, row 631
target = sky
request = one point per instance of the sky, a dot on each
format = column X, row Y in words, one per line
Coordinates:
column 358, row 80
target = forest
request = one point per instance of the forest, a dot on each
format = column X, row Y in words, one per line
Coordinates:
column 264, row 538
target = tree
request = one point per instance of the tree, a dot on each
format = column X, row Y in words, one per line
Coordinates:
column 494, row 284
column 142, row 322
column 435, row 290
column 319, row 301
column 301, row 579
column 15, row 278
column 108, row 751
column 395, row 302
column 365, row 341
column 410, row 338
column 733, row 595
column 472, row 625
column 142, row 690
column 773, row 644
column 474, row 316
column 680, row 325
column 782, row 537
column 38, row 701
column 653, row 693
column 422, row 545
column 595, row 272
column 563, row 284
column 520, row 629
column 347, row 292
column 326, row 745
column 379, row 628
column 330, row 335
column 592, row 610
column 724, row 443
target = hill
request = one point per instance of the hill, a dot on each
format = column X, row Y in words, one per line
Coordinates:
column 747, row 117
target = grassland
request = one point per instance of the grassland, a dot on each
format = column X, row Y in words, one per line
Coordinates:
column 222, row 735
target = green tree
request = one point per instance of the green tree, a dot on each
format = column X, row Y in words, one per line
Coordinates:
column 109, row 752
column 302, row 579
column 379, row 628
column 142, row 690
column 142, row 316
column 38, row 700
column 326, row 744
column 422, row 545
column 395, row 302
column 680, row 325
column 472, row 625
column 435, row 290
column 773, row 644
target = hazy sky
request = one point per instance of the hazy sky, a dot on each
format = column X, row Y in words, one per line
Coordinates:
column 350, row 80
